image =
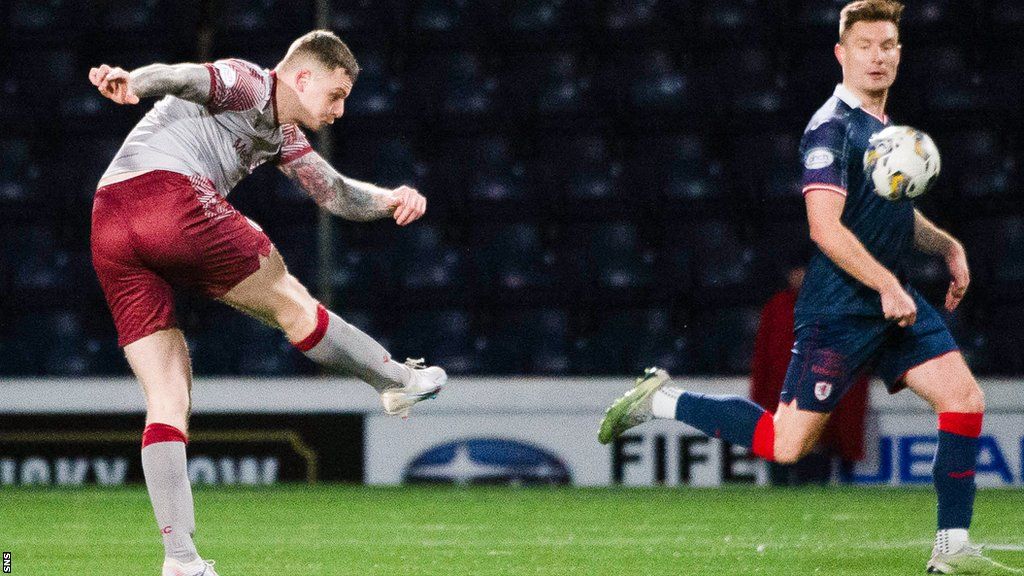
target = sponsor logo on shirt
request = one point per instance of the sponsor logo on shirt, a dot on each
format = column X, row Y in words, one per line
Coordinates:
column 817, row 158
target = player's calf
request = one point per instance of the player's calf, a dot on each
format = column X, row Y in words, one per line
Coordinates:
column 276, row 298
column 788, row 454
column 795, row 432
column 293, row 308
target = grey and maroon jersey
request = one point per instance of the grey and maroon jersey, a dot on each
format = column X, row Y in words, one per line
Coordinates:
column 219, row 143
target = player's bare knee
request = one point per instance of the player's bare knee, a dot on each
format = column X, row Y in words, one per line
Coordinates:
column 967, row 397
column 169, row 405
column 974, row 400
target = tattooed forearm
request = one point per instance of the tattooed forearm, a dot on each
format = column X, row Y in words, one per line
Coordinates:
column 187, row 81
column 344, row 197
column 931, row 239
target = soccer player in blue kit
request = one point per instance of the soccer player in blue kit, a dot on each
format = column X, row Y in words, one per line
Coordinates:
column 856, row 311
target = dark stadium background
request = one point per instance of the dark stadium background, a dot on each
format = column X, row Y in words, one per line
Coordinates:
column 611, row 184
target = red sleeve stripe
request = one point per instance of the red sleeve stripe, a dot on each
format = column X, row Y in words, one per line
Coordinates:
column 823, row 186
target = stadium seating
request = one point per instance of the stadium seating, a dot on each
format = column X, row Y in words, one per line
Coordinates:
column 611, row 184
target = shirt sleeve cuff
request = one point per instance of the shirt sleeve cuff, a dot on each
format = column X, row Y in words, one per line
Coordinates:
column 822, row 186
column 213, row 83
column 293, row 155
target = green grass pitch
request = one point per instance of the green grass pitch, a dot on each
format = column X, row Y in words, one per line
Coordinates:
column 339, row 530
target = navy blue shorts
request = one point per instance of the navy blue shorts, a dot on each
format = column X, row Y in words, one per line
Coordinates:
column 831, row 352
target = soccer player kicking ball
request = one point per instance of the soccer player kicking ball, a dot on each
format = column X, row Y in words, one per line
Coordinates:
column 160, row 218
column 855, row 310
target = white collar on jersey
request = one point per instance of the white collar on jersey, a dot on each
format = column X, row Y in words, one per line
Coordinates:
column 846, row 95
column 851, row 100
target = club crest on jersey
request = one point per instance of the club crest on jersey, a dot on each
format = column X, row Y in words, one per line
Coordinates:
column 817, row 158
column 822, row 390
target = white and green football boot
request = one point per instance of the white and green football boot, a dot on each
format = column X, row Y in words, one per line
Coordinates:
column 634, row 407
column 425, row 384
column 967, row 560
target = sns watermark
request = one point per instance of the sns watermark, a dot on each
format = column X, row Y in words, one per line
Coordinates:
column 7, row 562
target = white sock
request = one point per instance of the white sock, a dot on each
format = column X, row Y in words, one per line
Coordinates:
column 950, row 540
column 347, row 349
column 163, row 464
column 663, row 403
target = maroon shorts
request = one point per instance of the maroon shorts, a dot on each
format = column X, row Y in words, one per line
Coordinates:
column 162, row 229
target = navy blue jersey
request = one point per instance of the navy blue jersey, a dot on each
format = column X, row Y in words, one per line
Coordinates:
column 832, row 151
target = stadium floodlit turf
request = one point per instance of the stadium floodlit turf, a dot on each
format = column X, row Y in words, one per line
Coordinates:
column 336, row 530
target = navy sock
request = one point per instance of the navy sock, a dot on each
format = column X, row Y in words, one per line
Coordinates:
column 953, row 470
column 731, row 418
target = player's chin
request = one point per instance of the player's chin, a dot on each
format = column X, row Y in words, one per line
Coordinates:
column 314, row 126
column 878, row 82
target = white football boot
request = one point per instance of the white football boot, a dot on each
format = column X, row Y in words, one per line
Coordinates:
column 197, row 567
column 426, row 383
column 967, row 560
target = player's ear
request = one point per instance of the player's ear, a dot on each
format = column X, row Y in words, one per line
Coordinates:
column 302, row 77
column 840, row 52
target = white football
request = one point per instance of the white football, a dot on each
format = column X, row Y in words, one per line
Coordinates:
column 902, row 162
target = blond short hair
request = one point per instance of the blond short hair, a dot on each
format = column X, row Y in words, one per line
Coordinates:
column 325, row 48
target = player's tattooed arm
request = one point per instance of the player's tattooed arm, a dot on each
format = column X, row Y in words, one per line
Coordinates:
column 187, row 81
column 342, row 196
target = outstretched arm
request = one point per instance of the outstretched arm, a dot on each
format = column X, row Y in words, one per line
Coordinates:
column 350, row 198
column 187, row 81
column 931, row 239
